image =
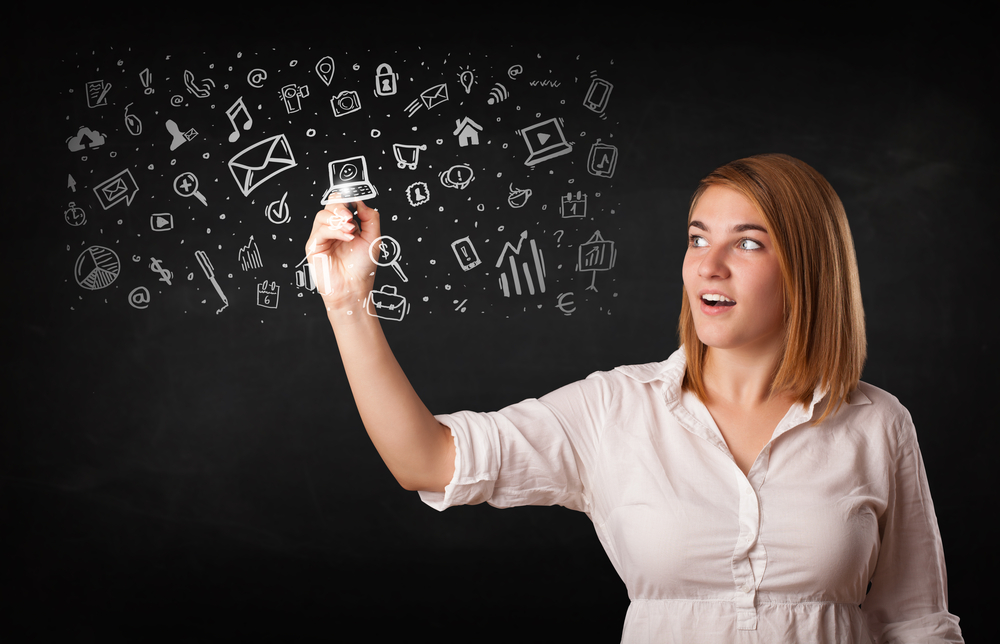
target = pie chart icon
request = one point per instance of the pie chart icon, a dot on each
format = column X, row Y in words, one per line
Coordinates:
column 96, row 268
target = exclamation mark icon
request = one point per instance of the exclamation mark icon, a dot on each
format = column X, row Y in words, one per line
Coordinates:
column 466, row 254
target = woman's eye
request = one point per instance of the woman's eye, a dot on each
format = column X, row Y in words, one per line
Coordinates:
column 697, row 241
column 749, row 244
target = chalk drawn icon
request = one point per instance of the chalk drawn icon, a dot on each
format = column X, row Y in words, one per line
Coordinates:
column 345, row 102
column 602, row 159
column 96, row 268
column 199, row 89
column 429, row 98
column 277, row 210
column 597, row 96
column 597, row 254
column 256, row 78
column 160, row 222
column 385, row 80
column 457, row 176
column 467, row 78
column 514, row 71
column 206, row 267
column 324, row 69
column 138, row 297
column 418, row 193
column 234, row 111
column 407, row 155
column 386, row 304
column 467, row 131
column 385, row 251
column 249, row 256
column 498, row 94
column 97, row 93
column 304, row 277
column 261, row 161
column 573, row 206
column 465, row 253
column 349, row 181
column 179, row 138
column 94, row 140
column 119, row 188
column 145, row 77
column 523, row 272
column 132, row 122
column 71, row 182
column 292, row 95
column 563, row 305
column 74, row 215
column 545, row 140
column 267, row 294
column 165, row 275
column 319, row 265
column 518, row 196
column 186, row 185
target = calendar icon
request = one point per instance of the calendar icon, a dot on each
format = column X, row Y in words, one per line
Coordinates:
column 267, row 294
column 571, row 206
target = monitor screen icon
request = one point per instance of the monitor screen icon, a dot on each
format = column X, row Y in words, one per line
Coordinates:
column 349, row 181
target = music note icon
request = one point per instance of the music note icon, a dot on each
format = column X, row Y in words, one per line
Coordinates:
column 233, row 112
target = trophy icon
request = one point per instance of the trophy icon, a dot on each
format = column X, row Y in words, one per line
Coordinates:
column 406, row 155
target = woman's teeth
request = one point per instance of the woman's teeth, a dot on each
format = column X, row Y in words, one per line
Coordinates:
column 714, row 299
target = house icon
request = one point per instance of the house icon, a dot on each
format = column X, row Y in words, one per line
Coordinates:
column 467, row 131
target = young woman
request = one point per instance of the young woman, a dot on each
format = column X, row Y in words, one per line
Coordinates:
column 749, row 488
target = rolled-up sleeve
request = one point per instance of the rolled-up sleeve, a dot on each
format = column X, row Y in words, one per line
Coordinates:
column 908, row 600
column 535, row 452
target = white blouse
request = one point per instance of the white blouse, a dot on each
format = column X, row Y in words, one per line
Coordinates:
column 708, row 554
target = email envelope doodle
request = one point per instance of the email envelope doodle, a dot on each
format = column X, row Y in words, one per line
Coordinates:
column 261, row 161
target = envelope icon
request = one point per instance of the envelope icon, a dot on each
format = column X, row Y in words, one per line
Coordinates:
column 433, row 96
column 114, row 190
column 261, row 161
column 119, row 188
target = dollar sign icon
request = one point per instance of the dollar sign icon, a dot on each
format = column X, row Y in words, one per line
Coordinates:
column 165, row 275
column 385, row 250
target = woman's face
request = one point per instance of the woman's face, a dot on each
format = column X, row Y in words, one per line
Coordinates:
column 731, row 275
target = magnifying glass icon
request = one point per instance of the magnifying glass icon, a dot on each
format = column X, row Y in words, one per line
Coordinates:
column 186, row 185
column 385, row 251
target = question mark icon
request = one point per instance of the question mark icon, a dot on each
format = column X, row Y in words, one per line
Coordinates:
column 559, row 239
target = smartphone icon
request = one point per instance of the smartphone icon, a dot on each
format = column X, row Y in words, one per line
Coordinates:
column 598, row 95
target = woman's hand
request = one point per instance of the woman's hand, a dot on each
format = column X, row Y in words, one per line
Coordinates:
column 338, row 253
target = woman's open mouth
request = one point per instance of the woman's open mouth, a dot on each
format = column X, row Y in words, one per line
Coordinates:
column 715, row 300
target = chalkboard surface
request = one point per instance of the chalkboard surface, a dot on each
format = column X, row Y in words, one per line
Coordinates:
column 185, row 459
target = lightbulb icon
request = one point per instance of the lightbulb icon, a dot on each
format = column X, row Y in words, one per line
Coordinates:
column 467, row 79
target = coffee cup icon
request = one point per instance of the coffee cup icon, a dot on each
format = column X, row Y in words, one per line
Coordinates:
column 518, row 196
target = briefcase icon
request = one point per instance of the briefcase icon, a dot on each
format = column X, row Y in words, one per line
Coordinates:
column 386, row 304
column 261, row 161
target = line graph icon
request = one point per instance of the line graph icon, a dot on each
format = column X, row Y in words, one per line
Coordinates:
column 522, row 273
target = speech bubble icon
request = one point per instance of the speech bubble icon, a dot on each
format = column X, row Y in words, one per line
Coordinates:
column 119, row 188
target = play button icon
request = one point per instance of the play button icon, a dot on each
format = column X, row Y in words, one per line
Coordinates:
column 162, row 221
column 543, row 137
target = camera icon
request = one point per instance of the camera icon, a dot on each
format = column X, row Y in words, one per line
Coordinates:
column 345, row 103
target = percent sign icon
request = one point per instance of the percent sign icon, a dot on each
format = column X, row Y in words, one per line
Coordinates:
column 385, row 251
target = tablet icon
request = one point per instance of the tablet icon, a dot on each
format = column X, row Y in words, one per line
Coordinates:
column 602, row 159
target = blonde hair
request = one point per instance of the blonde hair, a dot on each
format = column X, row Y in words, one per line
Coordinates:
column 825, row 342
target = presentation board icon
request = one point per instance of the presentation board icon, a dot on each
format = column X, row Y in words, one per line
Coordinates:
column 545, row 141
column 349, row 181
column 596, row 254
column 96, row 268
column 119, row 188
column 261, row 161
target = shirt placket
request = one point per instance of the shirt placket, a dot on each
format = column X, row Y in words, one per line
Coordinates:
column 749, row 555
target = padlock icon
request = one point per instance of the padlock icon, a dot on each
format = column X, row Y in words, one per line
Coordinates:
column 385, row 80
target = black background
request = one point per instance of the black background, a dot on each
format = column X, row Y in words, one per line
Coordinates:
column 177, row 474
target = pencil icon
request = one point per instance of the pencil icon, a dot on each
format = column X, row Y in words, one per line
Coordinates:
column 206, row 266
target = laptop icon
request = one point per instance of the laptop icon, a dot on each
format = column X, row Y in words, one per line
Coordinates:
column 349, row 180
column 545, row 140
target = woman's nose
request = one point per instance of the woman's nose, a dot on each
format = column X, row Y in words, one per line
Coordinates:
column 713, row 264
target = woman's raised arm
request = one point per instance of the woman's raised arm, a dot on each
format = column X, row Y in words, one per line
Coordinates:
column 418, row 450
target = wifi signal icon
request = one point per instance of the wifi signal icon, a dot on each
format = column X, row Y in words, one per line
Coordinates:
column 497, row 94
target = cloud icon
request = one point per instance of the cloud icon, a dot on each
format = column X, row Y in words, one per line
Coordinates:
column 95, row 140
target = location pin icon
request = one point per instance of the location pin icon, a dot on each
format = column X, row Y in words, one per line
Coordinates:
column 325, row 69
